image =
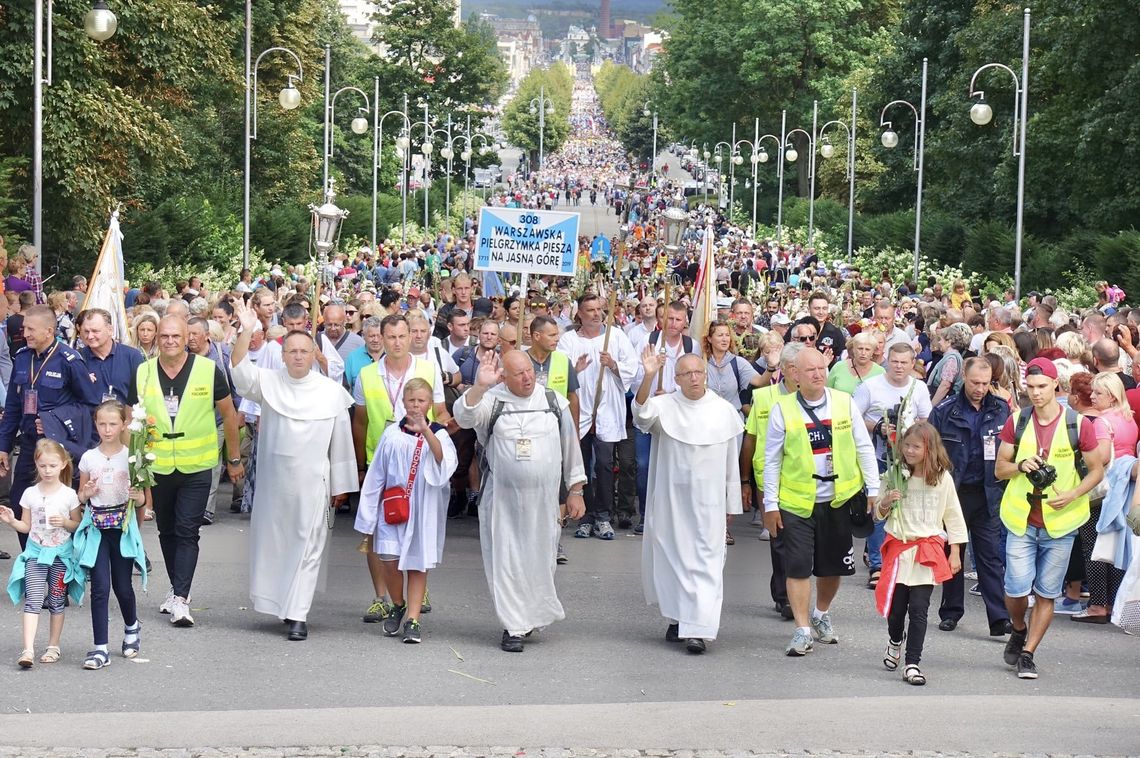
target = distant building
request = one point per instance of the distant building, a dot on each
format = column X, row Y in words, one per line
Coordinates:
column 605, row 28
column 520, row 44
column 359, row 13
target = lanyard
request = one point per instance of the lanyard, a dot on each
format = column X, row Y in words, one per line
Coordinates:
column 399, row 388
column 824, row 431
column 36, row 374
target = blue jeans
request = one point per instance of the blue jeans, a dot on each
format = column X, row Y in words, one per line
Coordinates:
column 1036, row 562
column 642, row 442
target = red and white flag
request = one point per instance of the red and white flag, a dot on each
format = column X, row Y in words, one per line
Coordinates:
column 704, row 301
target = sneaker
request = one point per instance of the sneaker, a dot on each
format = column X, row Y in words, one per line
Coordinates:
column 639, row 529
column 377, row 611
column 976, row 590
column 603, row 530
column 392, row 622
column 785, row 611
column 180, row 613
column 1026, row 668
column 511, row 643
column 1068, row 607
column 1013, row 647
column 971, row 576
column 821, row 629
column 412, row 632
column 583, row 531
column 425, row 606
column 167, row 602
column 801, row 644
column 765, row 535
column 757, row 517
column 560, row 557
column 207, row 519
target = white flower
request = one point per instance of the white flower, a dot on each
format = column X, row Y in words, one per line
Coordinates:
column 905, row 472
column 134, row 426
column 139, row 413
column 151, row 457
column 130, row 459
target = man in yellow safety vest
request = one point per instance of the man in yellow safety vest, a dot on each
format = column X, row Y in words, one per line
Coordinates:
column 1050, row 469
column 817, row 456
column 181, row 391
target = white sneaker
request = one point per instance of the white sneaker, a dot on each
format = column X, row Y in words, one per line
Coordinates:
column 180, row 613
column 168, row 602
column 765, row 535
column 757, row 517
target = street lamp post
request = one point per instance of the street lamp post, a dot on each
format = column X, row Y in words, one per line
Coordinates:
column 359, row 123
column 653, row 161
column 466, row 153
column 760, row 155
column 826, row 150
column 542, row 106
column 289, row 98
column 890, row 140
column 719, row 158
column 426, row 149
column 981, row 114
column 100, row 24
column 791, row 154
column 706, row 155
column 401, row 152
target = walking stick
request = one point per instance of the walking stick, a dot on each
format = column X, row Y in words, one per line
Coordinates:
column 606, row 339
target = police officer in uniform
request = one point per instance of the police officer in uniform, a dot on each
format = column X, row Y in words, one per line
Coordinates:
column 182, row 391
column 52, row 394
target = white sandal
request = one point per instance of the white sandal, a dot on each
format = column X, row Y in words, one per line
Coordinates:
column 913, row 675
column 894, row 654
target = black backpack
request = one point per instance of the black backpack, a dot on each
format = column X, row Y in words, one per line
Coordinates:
column 1072, row 420
column 497, row 411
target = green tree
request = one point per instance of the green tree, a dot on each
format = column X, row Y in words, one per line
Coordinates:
column 522, row 127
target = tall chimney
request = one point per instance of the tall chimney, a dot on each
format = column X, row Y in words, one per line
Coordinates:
column 605, row 31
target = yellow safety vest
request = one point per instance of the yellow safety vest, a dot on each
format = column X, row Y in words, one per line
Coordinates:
column 763, row 398
column 558, row 378
column 1014, row 509
column 192, row 444
column 379, row 406
column 797, row 471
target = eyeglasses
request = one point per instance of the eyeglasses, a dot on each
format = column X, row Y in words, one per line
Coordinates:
column 687, row 374
column 808, row 338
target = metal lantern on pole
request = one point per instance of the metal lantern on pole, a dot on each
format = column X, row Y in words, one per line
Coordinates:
column 676, row 221
column 325, row 230
column 981, row 114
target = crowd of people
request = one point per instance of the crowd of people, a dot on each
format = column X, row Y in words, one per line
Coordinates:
column 395, row 386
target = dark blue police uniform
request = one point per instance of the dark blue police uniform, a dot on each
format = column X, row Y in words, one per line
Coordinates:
column 65, row 397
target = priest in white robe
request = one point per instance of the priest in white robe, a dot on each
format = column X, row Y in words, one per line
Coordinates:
column 532, row 448
column 694, row 480
column 305, row 459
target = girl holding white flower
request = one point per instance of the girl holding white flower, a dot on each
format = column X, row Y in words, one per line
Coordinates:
column 108, row 543
column 922, row 515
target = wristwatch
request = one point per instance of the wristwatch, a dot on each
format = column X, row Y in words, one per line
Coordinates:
column 233, row 461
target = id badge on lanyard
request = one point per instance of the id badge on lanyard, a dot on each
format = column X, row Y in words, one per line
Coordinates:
column 31, row 401
column 171, row 401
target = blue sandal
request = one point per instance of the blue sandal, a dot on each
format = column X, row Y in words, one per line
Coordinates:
column 131, row 649
column 96, row 659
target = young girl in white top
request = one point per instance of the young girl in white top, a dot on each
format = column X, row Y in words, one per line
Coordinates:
column 108, row 543
column 919, row 525
column 47, row 567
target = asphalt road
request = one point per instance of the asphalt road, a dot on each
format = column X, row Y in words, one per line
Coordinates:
column 609, row 651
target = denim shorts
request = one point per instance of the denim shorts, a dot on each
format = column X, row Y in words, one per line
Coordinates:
column 1036, row 562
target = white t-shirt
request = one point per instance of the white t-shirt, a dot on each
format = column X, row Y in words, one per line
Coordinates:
column 876, row 396
column 111, row 474
column 59, row 503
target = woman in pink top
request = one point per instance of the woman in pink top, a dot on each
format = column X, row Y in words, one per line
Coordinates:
column 1111, row 405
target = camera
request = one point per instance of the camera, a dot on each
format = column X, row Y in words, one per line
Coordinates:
column 1042, row 476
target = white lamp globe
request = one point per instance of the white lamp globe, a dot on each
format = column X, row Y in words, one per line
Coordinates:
column 359, row 125
column 981, row 113
column 791, row 155
column 289, row 97
column 827, row 150
column 890, row 139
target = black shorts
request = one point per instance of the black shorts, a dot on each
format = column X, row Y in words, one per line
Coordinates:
column 819, row 546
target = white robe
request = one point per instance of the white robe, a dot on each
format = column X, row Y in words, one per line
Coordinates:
column 694, row 480
column 419, row 541
column 304, row 457
column 518, row 513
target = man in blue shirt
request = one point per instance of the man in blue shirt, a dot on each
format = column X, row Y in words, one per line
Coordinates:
column 113, row 364
column 52, row 394
column 969, row 423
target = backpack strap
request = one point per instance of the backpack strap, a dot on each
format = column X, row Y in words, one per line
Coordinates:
column 1072, row 425
column 1022, row 422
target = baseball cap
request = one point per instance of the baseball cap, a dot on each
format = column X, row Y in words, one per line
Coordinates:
column 780, row 319
column 1044, row 365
